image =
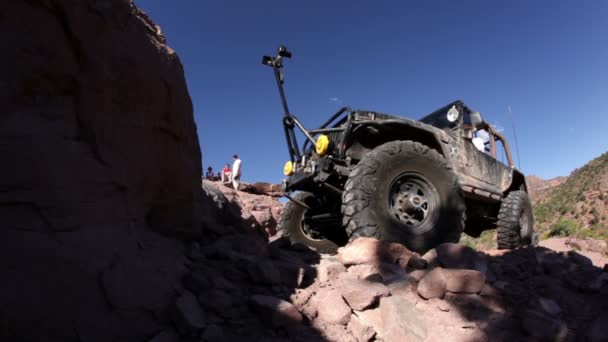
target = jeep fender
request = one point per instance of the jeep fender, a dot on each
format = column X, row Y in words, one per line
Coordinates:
column 369, row 135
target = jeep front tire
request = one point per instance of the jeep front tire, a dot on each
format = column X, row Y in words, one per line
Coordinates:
column 405, row 192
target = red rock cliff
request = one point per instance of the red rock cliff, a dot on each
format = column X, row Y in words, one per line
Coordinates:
column 98, row 147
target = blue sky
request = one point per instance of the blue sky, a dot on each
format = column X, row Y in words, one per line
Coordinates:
column 548, row 60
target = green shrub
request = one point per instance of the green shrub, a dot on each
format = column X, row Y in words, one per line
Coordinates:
column 563, row 227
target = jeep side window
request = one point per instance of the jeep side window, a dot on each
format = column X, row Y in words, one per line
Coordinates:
column 490, row 142
column 501, row 155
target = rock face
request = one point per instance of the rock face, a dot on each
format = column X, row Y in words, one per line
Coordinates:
column 98, row 148
column 97, row 122
column 257, row 202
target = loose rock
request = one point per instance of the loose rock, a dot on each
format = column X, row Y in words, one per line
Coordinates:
column 401, row 320
column 188, row 315
column 432, row 285
column 361, row 251
column 329, row 270
column 453, row 255
column 464, row 281
column 543, row 326
column 361, row 294
column 361, row 331
column 276, row 311
column 330, row 307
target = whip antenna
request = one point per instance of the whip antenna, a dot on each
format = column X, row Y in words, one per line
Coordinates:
column 515, row 135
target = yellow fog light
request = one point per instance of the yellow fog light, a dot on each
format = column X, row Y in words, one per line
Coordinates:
column 322, row 145
column 288, row 168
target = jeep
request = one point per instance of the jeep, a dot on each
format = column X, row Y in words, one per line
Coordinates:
column 420, row 183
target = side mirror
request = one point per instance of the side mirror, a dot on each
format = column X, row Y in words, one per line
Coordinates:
column 476, row 119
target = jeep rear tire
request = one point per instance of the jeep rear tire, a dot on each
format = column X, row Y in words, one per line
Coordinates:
column 515, row 225
column 295, row 224
column 405, row 192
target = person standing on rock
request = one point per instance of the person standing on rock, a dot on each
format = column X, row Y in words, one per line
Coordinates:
column 236, row 172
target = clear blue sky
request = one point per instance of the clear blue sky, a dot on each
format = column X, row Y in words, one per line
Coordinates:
column 547, row 59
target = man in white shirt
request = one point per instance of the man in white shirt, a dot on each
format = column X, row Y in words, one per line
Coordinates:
column 236, row 172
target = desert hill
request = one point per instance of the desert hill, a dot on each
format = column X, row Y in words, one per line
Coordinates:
column 578, row 205
column 540, row 188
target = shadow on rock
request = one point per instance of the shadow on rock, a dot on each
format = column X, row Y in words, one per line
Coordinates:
column 532, row 293
column 381, row 291
column 238, row 287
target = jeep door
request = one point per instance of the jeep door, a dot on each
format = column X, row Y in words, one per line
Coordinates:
column 482, row 163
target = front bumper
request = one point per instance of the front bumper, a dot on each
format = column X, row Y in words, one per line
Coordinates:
column 300, row 180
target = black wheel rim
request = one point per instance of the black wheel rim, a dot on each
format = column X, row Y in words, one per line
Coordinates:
column 412, row 200
column 316, row 223
column 307, row 230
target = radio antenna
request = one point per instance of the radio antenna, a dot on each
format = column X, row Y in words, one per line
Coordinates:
column 515, row 135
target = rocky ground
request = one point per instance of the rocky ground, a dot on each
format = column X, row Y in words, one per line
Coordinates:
column 241, row 288
column 258, row 202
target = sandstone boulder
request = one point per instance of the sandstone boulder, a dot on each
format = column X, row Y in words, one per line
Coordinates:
column 259, row 209
column 544, row 327
column 401, row 320
column 329, row 270
column 361, row 294
column 463, row 281
column 330, row 307
column 277, row 311
column 372, row 251
column 361, row 331
column 432, row 284
column 188, row 315
column 454, row 255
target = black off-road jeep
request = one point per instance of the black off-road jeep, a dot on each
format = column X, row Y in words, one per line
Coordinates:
column 420, row 183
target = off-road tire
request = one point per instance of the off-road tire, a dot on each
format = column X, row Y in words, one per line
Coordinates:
column 509, row 231
column 290, row 224
column 365, row 200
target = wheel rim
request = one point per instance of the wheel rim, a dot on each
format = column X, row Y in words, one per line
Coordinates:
column 412, row 199
column 311, row 228
column 308, row 232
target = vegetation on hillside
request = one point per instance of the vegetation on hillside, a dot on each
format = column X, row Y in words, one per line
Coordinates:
column 578, row 207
